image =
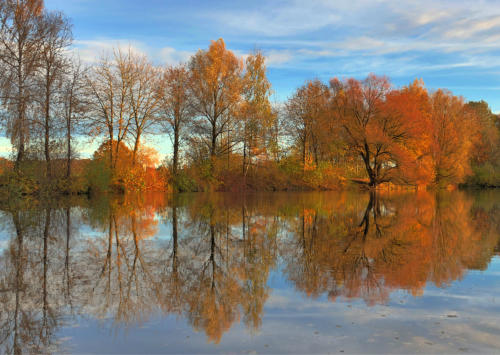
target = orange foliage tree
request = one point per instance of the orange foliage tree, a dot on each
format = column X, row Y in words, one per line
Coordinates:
column 255, row 110
column 410, row 141
column 138, row 174
column 216, row 87
column 454, row 130
column 387, row 128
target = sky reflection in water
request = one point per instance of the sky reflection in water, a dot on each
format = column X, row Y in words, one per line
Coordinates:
column 299, row 272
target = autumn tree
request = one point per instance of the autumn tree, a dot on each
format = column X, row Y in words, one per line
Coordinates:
column 454, row 130
column 487, row 146
column 485, row 158
column 358, row 105
column 216, row 86
column 385, row 128
column 121, row 161
column 257, row 116
column 125, row 175
column 407, row 124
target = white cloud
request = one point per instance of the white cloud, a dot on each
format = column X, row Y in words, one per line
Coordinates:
column 277, row 58
column 414, row 34
column 381, row 27
column 171, row 55
column 478, row 28
column 279, row 18
column 409, row 38
column 90, row 51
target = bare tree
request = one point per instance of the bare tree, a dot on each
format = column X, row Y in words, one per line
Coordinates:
column 21, row 46
column 109, row 84
column 176, row 109
column 143, row 99
column 307, row 114
column 74, row 105
column 53, row 63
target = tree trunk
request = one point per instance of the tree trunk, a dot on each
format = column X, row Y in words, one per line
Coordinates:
column 48, row 171
column 45, row 269
column 304, row 154
column 117, row 148
column 214, row 141
column 66, row 258
column 244, row 163
column 366, row 217
column 68, row 148
column 111, row 149
column 20, row 149
column 366, row 159
column 212, row 252
column 136, row 148
column 20, row 111
column 175, row 162
column 174, row 237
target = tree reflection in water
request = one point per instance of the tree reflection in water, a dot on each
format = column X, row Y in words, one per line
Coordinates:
column 207, row 258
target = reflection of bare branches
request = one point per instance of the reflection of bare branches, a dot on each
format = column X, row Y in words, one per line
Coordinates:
column 19, row 281
column 29, row 313
column 67, row 277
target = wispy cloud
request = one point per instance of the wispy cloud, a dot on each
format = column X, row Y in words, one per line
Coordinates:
column 171, row 55
column 90, row 51
column 448, row 43
column 376, row 27
column 278, row 18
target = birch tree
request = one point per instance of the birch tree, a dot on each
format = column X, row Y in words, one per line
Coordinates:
column 21, row 46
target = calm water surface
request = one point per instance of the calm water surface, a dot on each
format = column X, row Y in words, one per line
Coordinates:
column 263, row 273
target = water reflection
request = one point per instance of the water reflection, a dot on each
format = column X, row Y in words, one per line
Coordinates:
column 208, row 258
column 397, row 243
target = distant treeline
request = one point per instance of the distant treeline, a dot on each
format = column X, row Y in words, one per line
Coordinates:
column 225, row 133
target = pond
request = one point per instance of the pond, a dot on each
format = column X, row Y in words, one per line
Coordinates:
column 323, row 272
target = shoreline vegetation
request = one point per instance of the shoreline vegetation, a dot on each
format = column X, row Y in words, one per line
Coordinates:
column 225, row 132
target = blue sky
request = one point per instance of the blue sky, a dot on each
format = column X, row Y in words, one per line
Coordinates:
column 452, row 44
